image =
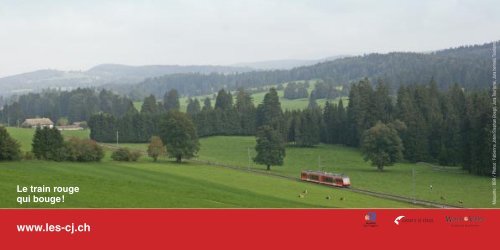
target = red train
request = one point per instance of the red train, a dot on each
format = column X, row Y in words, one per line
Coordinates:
column 331, row 179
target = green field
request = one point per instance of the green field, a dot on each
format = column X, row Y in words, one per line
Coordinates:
column 166, row 184
column 449, row 184
column 25, row 135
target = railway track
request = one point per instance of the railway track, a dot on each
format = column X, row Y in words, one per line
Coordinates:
column 399, row 198
column 351, row 189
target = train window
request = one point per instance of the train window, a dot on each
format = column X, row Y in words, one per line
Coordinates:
column 314, row 177
column 328, row 179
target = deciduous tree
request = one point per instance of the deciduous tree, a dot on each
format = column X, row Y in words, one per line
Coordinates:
column 156, row 148
column 179, row 134
column 382, row 146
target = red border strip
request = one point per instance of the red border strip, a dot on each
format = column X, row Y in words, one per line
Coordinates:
column 253, row 228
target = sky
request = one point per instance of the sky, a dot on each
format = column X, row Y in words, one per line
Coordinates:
column 76, row 35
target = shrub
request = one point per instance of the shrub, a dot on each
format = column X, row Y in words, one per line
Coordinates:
column 135, row 155
column 84, row 125
column 125, row 154
column 28, row 155
column 63, row 121
column 83, row 150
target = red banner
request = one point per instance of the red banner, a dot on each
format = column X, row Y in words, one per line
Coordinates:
column 246, row 228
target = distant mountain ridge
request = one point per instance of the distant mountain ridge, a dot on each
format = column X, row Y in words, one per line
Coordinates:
column 285, row 64
column 119, row 74
column 469, row 66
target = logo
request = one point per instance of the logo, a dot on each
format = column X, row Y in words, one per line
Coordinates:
column 464, row 221
column 371, row 219
column 404, row 220
column 396, row 221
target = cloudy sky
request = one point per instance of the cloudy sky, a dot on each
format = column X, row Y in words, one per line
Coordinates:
column 76, row 35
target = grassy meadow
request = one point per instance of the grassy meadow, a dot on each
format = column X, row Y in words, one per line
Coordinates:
column 450, row 185
column 25, row 135
column 165, row 184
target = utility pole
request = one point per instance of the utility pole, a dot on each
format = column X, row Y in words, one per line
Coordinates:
column 117, row 138
column 319, row 162
column 249, row 159
column 413, row 181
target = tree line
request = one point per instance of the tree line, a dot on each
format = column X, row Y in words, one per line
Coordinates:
column 296, row 90
column 451, row 127
column 75, row 105
column 448, row 127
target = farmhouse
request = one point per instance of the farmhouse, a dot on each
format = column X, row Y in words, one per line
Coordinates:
column 37, row 122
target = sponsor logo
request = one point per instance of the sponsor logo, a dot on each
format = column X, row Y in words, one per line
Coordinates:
column 403, row 220
column 371, row 219
column 396, row 221
column 464, row 221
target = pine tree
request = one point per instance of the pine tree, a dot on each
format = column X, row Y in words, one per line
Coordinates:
column 291, row 118
column 328, row 119
column 383, row 103
column 458, row 103
column 361, row 111
column 10, row 149
column 479, row 133
column 269, row 113
column 434, row 117
column 193, row 107
column 312, row 103
column 207, row 104
column 451, row 136
column 415, row 137
column 224, row 100
column 149, row 106
column 48, row 144
column 342, row 124
column 309, row 128
column 246, row 111
column 171, row 100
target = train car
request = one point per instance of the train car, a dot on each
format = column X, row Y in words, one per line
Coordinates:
column 331, row 179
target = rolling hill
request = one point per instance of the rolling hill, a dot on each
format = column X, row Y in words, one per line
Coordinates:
column 99, row 75
column 469, row 66
column 285, row 64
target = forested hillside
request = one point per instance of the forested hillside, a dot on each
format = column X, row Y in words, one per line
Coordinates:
column 469, row 66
